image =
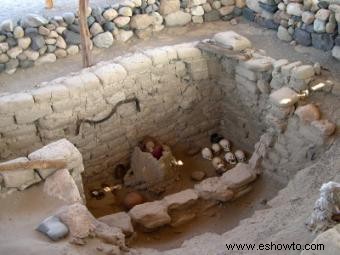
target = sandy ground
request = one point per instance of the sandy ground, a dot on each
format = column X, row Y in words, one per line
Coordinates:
column 261, row 39
column 16, row 9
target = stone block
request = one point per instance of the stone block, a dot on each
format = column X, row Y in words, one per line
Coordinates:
column 284, row 97
column 32, row 114
column 61, row 185
column 188, row 51
column 150, row 215
column 14, row 102
column 136, row 63
column 238, row 176
column 258, row 64
column 181, row 199
column 214, row 189
column 232, row 40
column 121, row 220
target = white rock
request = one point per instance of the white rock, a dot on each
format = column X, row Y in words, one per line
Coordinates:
column 60, row 43
column 24, row 42
column 284, row 97
column 150, row 215
column 122, row 21
column 120, row 220
column 303, row 72
column 238, row 176
column 124, row 35
column 48, row 58
column 178, row 18
column 125, row 11
column 197, row 11
column 295, row 9
column 232, row 40
column 214, row 189
column 103, row 40
column 62, row 186
column 72, row 50
column 336, row 52
column 169, row 6
column 110, row 14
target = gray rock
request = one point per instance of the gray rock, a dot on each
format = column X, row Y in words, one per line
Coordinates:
column 120, row 220
column 178, row 18
column 4, row 46
column 74, row 28
column 103, row 40
column 51, row 48
column 37, row 42
column 11, row 66
column 283, row 34
column 109, row 26
column 71, row 37
column 337, row 40
column 53, row 228
column 69, row 17
column 26, row 63
column 12, row 42
column 90, row 20
column 2, row 68
column 302, row 37
column 33, row 20
column 7, row 26
column 336, row 52
column 323, row 41
column 213, row 15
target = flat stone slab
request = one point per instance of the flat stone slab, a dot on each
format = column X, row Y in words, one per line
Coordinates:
column 238, row 176
column 284, row 97
column 120, row 220
column 232, row 40
column 183, row 198
column 214, row 189
column 259, row 64
column 151, row 215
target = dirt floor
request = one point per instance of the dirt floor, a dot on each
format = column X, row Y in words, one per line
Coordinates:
column 210, row 217
column 26, row 79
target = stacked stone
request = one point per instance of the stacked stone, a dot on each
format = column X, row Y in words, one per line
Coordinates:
column 308, row 23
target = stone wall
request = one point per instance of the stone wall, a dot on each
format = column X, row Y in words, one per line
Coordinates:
column 179, row 94
column 308, row 23
column 165, row 92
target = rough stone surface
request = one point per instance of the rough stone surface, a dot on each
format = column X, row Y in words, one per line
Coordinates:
column 238, row 176
column 150, row 215
column 178, row 18
column 62, row 186
column 180, row 199
column 232, row 40
column 120, row 220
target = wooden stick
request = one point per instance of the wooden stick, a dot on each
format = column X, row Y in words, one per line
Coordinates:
column 49, row 4
column 36, row 164
column 84, row 34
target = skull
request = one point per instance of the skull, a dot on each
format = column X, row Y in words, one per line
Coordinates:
column 150, row 146
column 225, row 144
column 230, row 158
column 240, row 156
column 218, row 164
column 206, row 153
column 216, row 148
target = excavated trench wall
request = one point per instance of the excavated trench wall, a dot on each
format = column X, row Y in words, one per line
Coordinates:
column 179, row 94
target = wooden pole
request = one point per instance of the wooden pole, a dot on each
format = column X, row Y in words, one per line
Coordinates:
column 49, row 4
column 84, row 33
column 36, row 164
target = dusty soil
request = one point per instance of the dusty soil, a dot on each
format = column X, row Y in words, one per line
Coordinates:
column 261, row 39
column 210, row 217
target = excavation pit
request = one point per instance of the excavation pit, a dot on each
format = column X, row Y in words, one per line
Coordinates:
column 181, row 95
